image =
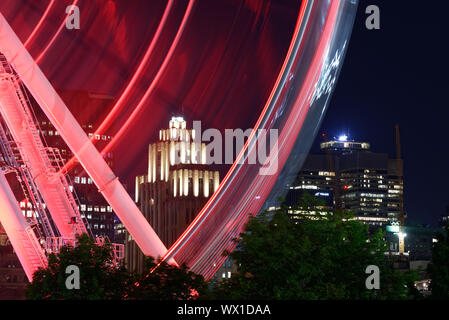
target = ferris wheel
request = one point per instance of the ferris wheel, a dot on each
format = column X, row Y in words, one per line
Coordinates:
column 294, row 110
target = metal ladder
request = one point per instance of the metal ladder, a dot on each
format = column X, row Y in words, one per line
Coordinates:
column 54, row 186
column 27, row 184
column 50, row 163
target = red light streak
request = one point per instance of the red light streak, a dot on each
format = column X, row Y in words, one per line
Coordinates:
column 39, row 24
column 152, row 86
column 199, row 218
column 196, row 223
column 118, row 106
column 44, row 51
column 201, row 261
column 203, row 256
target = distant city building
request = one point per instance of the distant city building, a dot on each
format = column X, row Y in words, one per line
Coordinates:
column 418, row 240
column 342, row 145
column 12, row 277
column 174, row 190
column 349, row 175
column 227, row 269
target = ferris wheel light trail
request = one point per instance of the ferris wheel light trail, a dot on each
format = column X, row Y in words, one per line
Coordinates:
column 153, row 84
column 77, row 140
column 44, row 51
column 295, row 107
column 39, row 24
column 199, row 220
column 120, row 102
column 243, row 191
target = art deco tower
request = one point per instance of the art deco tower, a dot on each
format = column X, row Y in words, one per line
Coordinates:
column 178, row 184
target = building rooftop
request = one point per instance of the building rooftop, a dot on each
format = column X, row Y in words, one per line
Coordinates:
column 342, row 144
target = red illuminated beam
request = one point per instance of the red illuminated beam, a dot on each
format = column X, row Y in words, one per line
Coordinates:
column 18, row 117
column 19, row 232
column 78, row 142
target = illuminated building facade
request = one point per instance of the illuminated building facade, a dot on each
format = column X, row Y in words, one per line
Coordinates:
column 176, row 187
column 368, row 184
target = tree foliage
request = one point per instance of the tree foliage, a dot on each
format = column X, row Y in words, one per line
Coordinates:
column 439, row 267
column 319, row 256
column 100, row 279
column 168, row 282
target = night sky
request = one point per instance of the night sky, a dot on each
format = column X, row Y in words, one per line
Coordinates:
column 398, row 74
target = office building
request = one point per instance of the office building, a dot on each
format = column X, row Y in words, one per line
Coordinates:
column 347, row 175
column 175, row 188
column 12, row 277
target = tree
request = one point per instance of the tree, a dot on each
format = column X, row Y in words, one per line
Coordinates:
column 317, row 256
column 99, row 278
column 168, row 282
column 439, row 267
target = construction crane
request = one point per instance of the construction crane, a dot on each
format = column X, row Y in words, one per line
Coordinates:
column 401, row 217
